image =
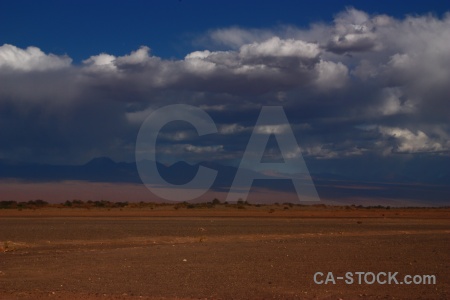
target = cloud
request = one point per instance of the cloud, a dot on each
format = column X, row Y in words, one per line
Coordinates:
column 139, row 56
column 331, row 75
column 406, row 141
column 30, row 59
column 393, row 102
column 231, row 128
column 100, row 62
column 354, row 31
column 272, row 129
column 204, row 149
column 332, row 80
column 276, row 47
column 236, row 37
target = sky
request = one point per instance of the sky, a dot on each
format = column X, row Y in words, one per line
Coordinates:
column 364, row 84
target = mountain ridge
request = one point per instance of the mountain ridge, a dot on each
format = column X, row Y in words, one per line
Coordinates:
column 434, row 182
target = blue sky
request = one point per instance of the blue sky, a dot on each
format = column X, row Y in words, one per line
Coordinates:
column 170, row 28
column 364, row 85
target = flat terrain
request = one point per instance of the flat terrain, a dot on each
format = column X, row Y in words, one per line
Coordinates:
column 219, row 253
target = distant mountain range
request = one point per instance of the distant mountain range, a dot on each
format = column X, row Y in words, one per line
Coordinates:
column 423, row 178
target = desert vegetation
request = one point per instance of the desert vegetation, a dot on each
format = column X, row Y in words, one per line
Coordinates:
column 215, row 203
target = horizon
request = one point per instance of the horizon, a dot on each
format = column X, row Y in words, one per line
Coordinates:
column 364, row 87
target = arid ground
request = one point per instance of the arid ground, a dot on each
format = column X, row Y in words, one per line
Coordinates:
column 220, row 253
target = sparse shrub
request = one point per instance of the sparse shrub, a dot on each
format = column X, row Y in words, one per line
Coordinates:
column 121, row 204
column 37, row 203
column 99, row 204
column 8, row 204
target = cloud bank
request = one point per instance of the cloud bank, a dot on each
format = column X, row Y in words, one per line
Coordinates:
column 365, row 84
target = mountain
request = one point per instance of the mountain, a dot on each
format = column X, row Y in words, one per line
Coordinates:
column 97, row 170
column 334, row 179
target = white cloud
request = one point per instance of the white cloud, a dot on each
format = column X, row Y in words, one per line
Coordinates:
column 195, row 62
column 331, row 75
column 276, row 47
column 198, row 55
column 136, row 57
column 272, row 129
column 102, row 61
column 320, row 152
column 361, row 68
column 392, row 102
column 354, row 30
column 214, row 107
column 30, row 59
column 410, row 142
column 235, row 37
column 232, row 128
column 203, row 149
column 108, row 62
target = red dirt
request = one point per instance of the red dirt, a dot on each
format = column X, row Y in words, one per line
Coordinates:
column 219, row 253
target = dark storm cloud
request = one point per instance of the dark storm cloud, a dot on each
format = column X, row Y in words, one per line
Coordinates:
column 364, row 84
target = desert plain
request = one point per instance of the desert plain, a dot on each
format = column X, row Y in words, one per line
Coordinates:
column 220, row 252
